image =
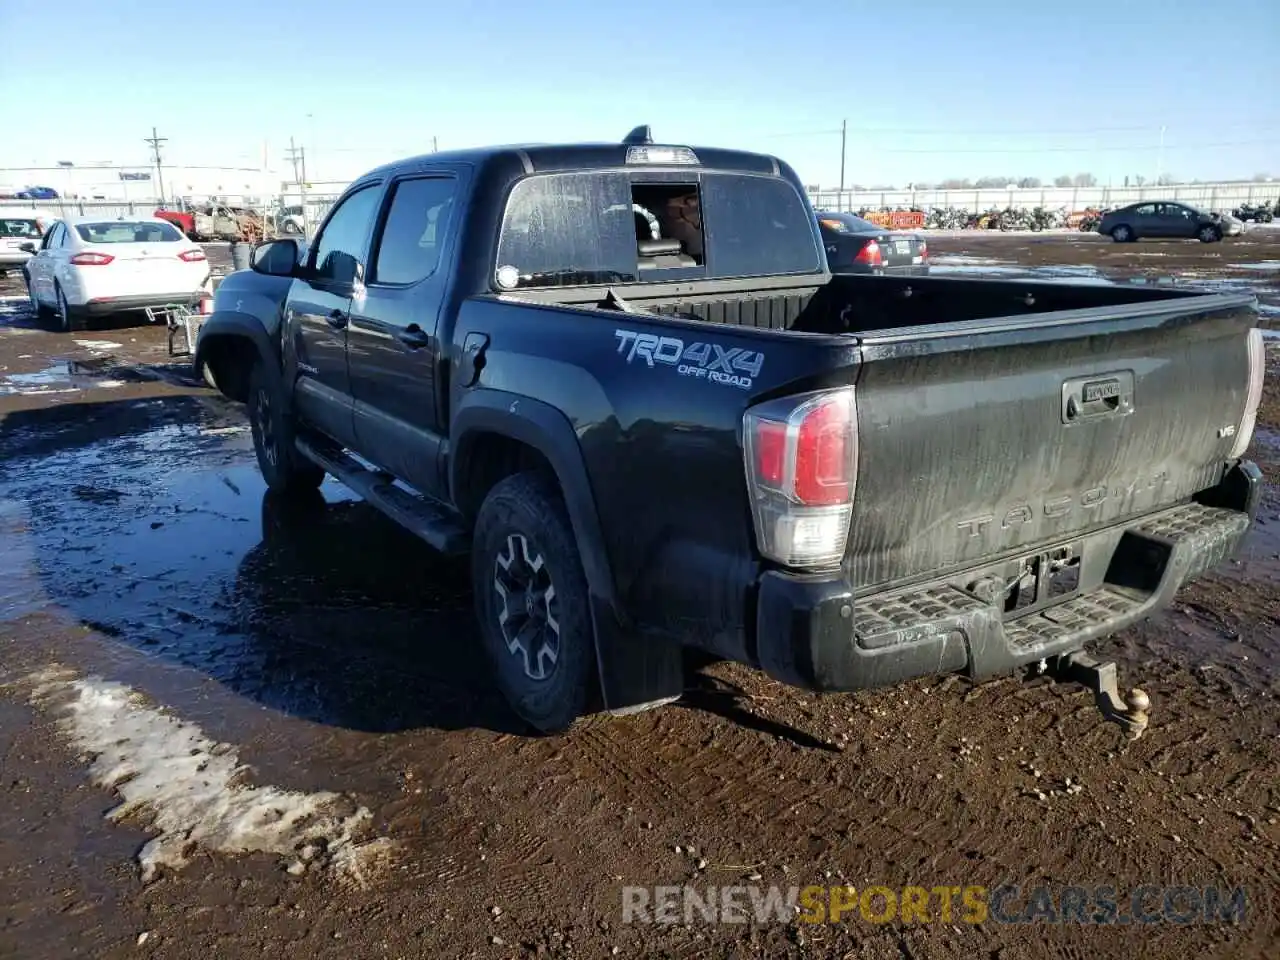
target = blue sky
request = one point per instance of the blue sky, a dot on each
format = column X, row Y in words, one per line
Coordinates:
column 930, row 88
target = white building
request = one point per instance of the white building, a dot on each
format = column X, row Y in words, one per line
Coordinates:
column 116, row 182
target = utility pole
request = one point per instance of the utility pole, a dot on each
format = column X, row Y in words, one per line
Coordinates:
column 298, row 157
column 435, row 145
column 155, row 140
column 1160, row 157
column 292, row 155
column 844, row 138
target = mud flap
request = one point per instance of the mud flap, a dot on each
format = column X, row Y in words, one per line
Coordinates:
column 636, row 672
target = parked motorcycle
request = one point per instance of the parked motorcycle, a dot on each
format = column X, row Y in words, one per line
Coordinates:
column 1256, row 212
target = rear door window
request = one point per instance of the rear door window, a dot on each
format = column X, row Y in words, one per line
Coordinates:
column 415, row 232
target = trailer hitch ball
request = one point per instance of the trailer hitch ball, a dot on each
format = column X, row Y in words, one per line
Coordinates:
column 1132, row 713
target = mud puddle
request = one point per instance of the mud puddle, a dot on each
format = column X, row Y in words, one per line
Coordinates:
column 165, row 540
column 70, row 376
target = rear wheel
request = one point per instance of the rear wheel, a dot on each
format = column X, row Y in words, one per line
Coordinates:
column 285, row 470
column 1122, row 233
column 70, row 320
column 532, row 602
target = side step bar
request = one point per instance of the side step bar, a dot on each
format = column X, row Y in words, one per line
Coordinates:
column 435, row 522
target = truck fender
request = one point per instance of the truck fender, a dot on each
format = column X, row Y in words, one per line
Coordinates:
column 635, row 671
column 228, row 370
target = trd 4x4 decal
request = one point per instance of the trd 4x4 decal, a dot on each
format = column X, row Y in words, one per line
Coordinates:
column 732, row 366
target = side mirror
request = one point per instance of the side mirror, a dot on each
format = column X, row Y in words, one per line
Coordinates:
column 27, row 247
column 275, row 258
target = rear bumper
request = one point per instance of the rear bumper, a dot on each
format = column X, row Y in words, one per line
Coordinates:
column 906, row 270
column 813, row 633
column 103, row 305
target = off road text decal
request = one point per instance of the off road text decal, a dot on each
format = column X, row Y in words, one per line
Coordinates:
column 732, row 366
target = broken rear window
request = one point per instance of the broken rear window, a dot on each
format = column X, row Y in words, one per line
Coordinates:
column 575, row 229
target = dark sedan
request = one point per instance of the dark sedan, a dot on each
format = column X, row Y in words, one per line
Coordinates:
column 1166, row 220
column 855, row 245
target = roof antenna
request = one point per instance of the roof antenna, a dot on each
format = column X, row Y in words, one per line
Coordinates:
column 641, row 134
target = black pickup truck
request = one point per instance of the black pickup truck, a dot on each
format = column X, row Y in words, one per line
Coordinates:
column 621, row 377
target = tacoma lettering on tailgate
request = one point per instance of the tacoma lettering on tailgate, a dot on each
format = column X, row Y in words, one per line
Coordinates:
column 1059, row 507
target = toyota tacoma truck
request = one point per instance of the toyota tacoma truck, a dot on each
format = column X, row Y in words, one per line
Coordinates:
column 621, row 378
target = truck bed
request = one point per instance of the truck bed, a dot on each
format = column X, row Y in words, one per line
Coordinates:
column 996, row 419
column 850, row 303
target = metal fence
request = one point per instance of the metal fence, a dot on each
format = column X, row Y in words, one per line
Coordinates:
column 108, row 209
column 319, row 198
column 1224, row 196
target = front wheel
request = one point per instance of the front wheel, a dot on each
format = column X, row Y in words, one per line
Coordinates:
column 1122, row 234
column 532, row 602
column 285, row 470
column 1208, row 234
column 38, row 308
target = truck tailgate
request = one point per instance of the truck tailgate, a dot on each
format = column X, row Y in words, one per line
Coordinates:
column 983, row 439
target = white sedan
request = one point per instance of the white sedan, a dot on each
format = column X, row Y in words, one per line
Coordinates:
column 89, row 266
column 18, row 229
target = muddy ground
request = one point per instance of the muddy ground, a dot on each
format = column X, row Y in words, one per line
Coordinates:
column 333, row 652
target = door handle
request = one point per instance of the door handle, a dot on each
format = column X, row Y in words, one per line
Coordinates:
column 336, row 319
column 413, row 337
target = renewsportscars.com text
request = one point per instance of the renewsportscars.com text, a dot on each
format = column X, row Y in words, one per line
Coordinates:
column 972, row 904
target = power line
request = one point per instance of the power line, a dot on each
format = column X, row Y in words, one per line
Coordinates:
column 991, row 131
column 1125, row 148
column 155, row 140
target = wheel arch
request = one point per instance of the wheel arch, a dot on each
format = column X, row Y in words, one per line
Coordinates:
column 494, row 434
column 226, row 349
column 494, row 431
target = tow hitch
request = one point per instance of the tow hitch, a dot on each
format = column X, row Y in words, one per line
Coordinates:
column 1131, row 713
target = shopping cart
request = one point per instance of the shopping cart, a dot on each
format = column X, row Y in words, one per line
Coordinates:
column 183, row 324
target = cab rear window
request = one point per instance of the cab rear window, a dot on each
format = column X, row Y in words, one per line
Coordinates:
column 576, row 229
column 20, row 228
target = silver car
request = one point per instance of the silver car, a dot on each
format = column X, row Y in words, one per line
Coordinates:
column 17, row 229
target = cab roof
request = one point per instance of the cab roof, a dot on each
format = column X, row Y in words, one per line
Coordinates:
column 544, row 157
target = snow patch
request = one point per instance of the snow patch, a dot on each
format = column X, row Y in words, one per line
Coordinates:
column 35, row 391
column 192, row 791
column 96, row 344
column 964, row 259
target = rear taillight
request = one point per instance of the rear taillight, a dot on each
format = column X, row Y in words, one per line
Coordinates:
column 802, row 459
column 92, row 259
column 1253, row 396
column 924, row 251
column 870, row 254
column 192, row 256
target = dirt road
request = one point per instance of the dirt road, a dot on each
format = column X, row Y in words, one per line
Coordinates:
column 287, row 712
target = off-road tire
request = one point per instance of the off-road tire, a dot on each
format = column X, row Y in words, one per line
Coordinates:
column 526, row 510
column 285, row 470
